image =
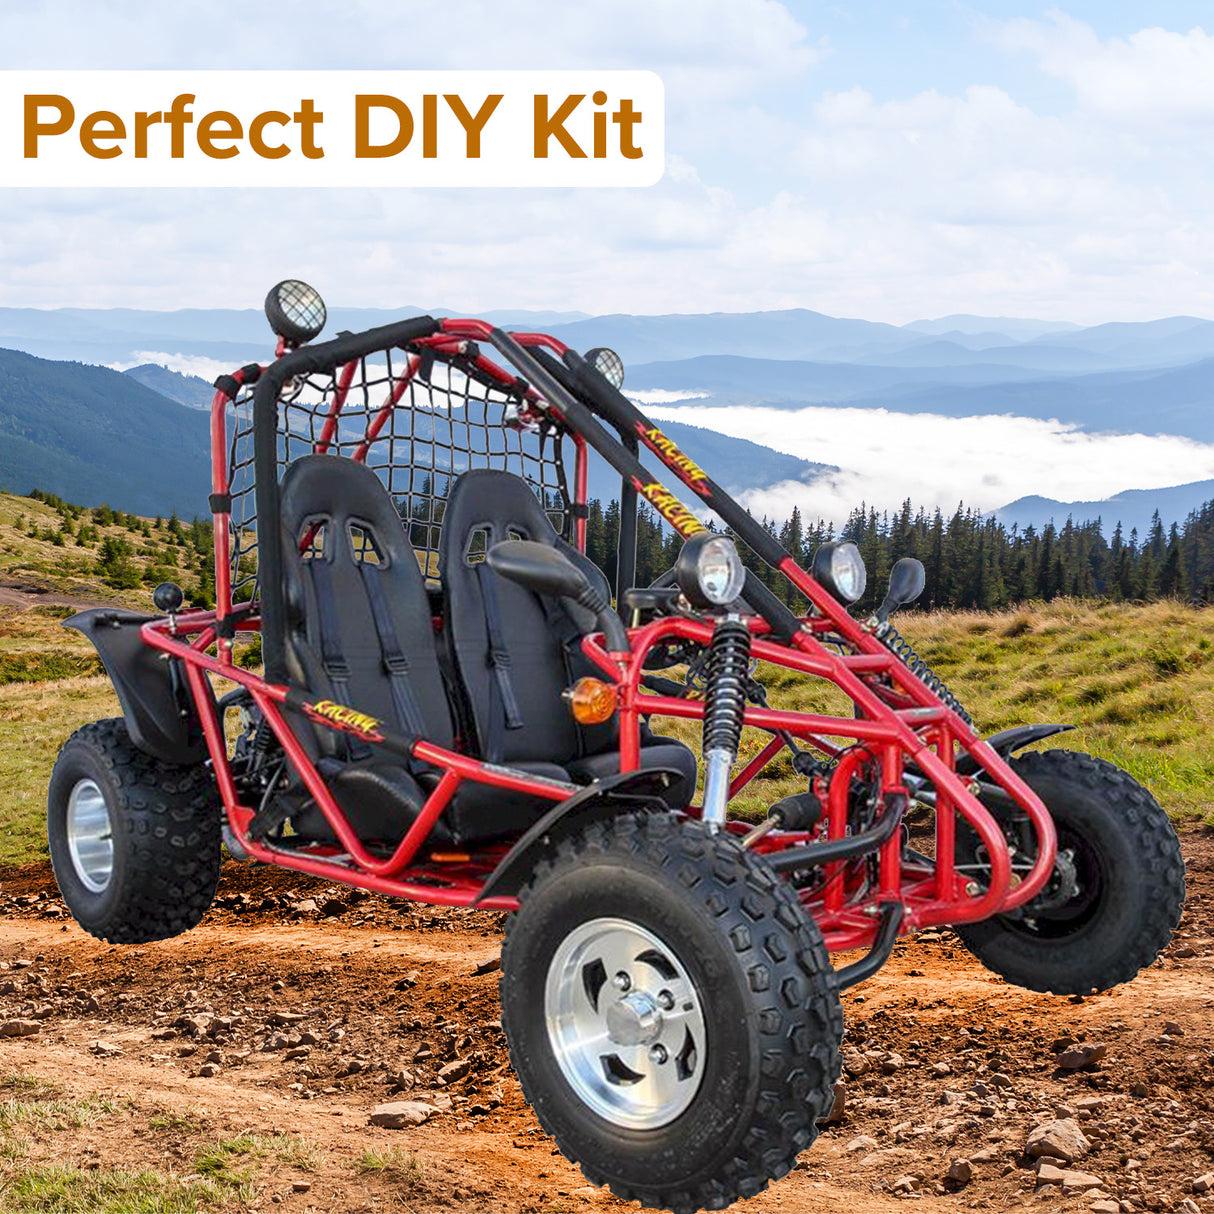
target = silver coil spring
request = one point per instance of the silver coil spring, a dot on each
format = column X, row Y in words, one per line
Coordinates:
column 728, row 671
column 901, row 648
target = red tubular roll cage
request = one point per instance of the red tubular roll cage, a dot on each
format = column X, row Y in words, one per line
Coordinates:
column 901, row 719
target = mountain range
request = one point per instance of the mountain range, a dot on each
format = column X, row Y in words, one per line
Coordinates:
column 1151, row 377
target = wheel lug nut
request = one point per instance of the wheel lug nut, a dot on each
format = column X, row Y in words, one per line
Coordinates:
column 665, row 1000
column 622, row 982
column 657, row 1053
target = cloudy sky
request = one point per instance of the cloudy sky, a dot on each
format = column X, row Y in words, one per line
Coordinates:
column 877, row 159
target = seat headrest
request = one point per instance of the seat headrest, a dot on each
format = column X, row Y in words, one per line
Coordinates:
column 338, row 488
column 497, row 502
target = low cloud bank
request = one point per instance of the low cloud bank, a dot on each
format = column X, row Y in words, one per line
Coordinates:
column 985, row 462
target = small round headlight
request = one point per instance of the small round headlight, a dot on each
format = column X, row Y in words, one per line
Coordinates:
column 608, row 364
column 840, row 568
column 709, row 570
column 295, row 311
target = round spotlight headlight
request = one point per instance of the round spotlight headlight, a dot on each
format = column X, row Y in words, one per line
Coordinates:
column 840, row 568
column 295, row 311
column 709, row 571
column 608, row 364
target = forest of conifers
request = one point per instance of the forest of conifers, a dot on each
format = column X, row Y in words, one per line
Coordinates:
column 972, row 560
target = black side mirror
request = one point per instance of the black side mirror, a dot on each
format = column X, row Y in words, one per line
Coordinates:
column 545, row 570
column 906, row 581
column 539, row 567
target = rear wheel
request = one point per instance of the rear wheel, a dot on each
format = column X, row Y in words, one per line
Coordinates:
column 687, row 1040
column 134, row 842
column 1116, row 893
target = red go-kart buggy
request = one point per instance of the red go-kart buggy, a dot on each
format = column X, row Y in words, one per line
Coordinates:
column 453, row 711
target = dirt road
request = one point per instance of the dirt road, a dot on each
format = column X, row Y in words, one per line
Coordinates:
column 296, row 1008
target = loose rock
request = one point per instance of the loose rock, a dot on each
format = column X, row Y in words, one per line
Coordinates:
column 398, row 1114
column 1080, row 1056
column 1049, row 1173
column 836, row 1109
column 1058, row 1140
column 960, row 1171
column 454, row 1071
column 19, row 1028
column 1079, row 1182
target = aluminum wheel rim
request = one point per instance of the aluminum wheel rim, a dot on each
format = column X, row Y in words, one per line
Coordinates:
column 90, row 837
column 625, row 1023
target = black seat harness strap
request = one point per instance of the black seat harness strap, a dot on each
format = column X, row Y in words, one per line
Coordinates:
column 498, row 658
column 331, row 657
column 396, row 664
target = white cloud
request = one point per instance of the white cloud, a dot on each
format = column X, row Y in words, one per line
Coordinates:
column 1153, row 76
column 986, row 462
column 661, row 396
column 209, row 369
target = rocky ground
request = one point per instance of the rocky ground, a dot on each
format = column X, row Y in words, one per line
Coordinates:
column 252, row 1058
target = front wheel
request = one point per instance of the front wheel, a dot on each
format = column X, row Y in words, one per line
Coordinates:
column 1116, row 893
column 671, row 1012
column 134, row 841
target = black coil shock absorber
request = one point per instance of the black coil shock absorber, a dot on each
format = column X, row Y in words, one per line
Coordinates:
column 728, row 669
column 901, row 647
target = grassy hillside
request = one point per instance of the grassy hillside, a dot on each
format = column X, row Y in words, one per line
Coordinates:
column 1137, row 680
column 100, row 553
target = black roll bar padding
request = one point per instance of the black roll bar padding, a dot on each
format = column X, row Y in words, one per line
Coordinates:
column 400, row 742
column 626, row 549
column 307, row 360
column 848, row 848
column 614, row 451
column 892, row 914
column 784, row 623
column 610, row 403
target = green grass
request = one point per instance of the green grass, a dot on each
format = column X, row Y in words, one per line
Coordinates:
column 1136, row 680
column 220, row 1160
column 58, row 1188
column 35, row 720
column 33, row 1104
column 38, row 1109
column 397, row 1165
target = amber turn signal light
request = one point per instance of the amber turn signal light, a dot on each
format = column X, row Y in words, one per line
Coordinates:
column 591, row 701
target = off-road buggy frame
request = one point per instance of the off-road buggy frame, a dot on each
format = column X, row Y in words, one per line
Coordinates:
column 421, row 402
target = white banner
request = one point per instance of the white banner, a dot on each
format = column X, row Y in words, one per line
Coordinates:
column 199, row 128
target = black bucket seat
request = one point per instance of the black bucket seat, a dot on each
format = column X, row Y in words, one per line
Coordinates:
column 514, row 652
column 361, row 632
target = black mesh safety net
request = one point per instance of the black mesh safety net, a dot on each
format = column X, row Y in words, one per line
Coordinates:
column 418, row 421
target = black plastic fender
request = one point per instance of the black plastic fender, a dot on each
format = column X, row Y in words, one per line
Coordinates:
column 1011, row 740
column 623, row 793
column 153, row 704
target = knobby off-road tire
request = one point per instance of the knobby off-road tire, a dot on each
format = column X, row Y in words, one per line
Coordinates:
column 134, row 842
column 643, row 944
column 1128, row 874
